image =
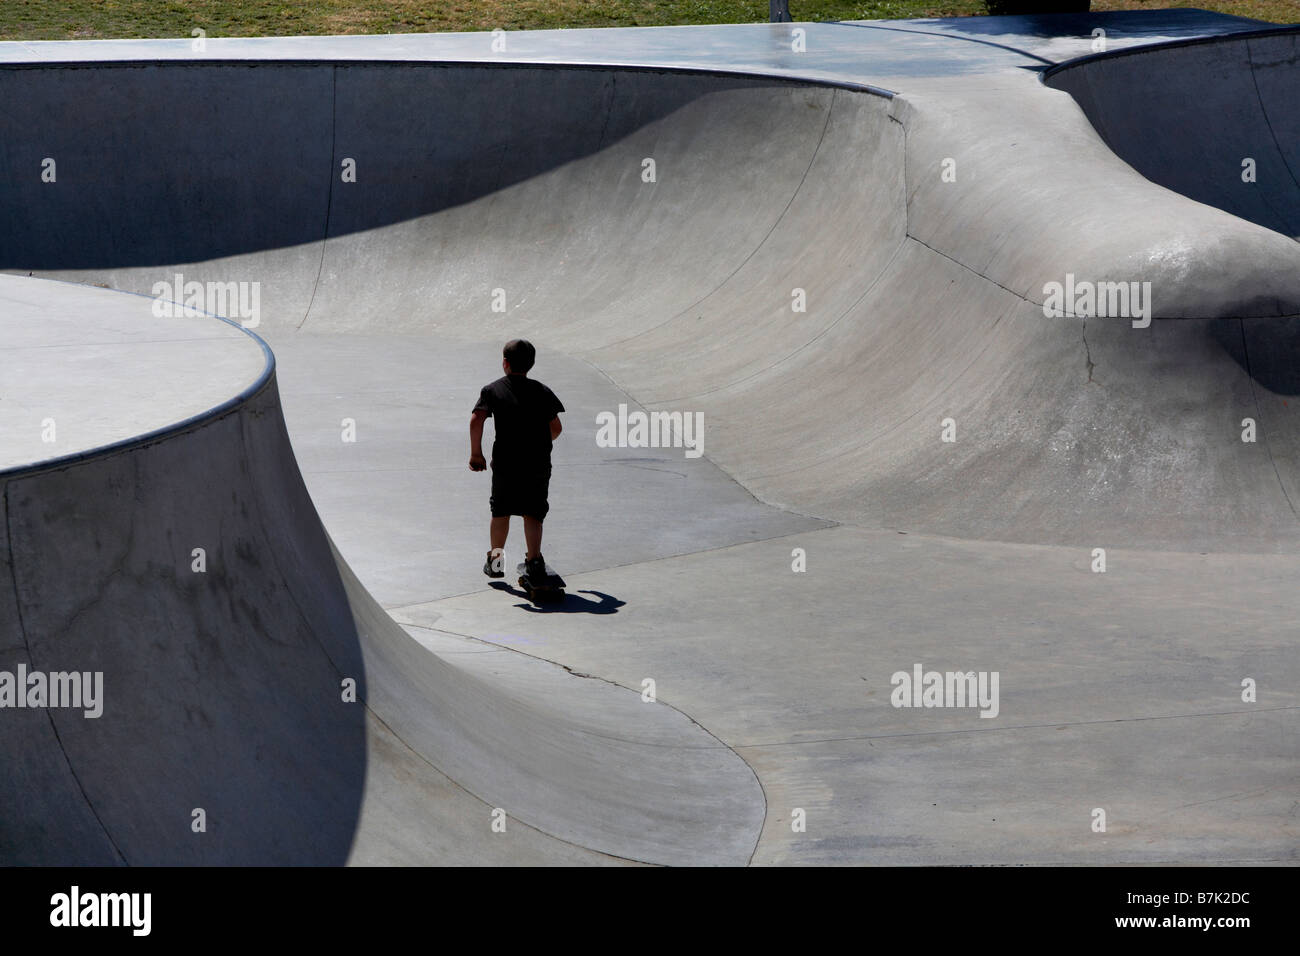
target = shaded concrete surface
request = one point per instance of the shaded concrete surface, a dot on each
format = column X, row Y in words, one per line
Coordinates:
column 1184, row 115
column 218, row 695
column 841, row 253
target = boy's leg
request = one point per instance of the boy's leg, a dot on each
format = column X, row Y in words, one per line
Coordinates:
column 532, row 535
column 495, row 565
column 499, row 530
column 535, row 511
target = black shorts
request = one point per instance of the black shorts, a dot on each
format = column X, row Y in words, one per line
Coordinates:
column 519, row 491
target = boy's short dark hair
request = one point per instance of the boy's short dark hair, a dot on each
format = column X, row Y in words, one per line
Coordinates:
column 520, row 354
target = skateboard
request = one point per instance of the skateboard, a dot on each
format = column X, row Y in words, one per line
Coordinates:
column 542, row 592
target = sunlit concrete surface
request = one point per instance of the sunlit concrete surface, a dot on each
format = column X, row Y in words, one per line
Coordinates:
column 70, row 386
column 841, row 260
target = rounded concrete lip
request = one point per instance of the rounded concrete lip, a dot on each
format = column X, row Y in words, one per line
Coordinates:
column 87, row 370
column 881, row 56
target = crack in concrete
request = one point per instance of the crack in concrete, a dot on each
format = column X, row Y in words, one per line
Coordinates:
column 1087, row 353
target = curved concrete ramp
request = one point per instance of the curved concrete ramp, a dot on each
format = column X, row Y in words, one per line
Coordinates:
column 99, row 560
column 838, row 278
column 186, row 575
column 922, row 298
column 1189, row 115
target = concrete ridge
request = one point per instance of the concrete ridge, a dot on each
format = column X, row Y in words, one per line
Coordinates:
column 1247, row 34
column 846, row 84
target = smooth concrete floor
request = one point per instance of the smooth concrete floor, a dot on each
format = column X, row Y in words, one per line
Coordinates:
column 1112, row 684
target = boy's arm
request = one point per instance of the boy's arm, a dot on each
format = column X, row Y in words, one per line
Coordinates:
column 476, row 460
column 558, row 407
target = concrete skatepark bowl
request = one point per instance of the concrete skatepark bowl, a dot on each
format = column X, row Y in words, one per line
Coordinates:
column 833, row 243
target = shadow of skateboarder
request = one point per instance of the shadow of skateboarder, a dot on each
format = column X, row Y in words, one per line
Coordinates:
column 572, row 604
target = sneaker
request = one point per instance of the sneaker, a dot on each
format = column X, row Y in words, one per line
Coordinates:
column 493, row 567
column 535, row 567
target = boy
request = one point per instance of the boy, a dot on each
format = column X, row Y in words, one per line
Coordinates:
column 527, row 422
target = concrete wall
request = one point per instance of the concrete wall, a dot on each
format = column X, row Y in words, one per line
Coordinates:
column 1187, row 115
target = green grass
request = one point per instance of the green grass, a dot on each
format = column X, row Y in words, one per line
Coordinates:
column 73, row 19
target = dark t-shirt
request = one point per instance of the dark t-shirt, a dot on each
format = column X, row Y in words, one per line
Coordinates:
column 523, row 409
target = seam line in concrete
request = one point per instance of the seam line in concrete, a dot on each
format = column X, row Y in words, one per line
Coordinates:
column 463, row 789
column 582, row 675
column 1259, row 417
column 1263, row 111
column 988, row 730
column 22, row 631
column 329, row 193
column 723, row 745
column 794, row 194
